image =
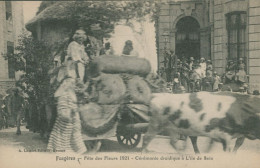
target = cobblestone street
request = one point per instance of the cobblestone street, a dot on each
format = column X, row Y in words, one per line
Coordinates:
column 31, row 141
column 25, row 149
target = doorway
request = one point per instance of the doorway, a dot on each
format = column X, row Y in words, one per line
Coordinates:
column 187, row 38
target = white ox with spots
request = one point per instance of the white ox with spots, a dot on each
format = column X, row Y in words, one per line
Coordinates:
column 221, row 116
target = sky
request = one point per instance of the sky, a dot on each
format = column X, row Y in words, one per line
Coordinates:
column 29, row 9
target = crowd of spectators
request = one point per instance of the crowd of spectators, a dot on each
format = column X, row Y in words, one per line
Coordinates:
column 193, row 75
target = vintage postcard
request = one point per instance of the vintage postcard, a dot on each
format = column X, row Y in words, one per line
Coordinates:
column 135, row 83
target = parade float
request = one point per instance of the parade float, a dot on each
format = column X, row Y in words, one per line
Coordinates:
column 45, row 48
column 114, row 101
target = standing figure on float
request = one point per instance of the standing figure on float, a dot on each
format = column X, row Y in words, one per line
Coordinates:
column 76, row 53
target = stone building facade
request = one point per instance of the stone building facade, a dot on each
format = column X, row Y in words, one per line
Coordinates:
column 220, row 30
column 11, row 26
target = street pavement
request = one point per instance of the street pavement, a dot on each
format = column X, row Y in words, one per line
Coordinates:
column 22, row 151
column 161, row 144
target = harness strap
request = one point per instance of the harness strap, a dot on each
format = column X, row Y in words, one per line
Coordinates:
column 77, row 70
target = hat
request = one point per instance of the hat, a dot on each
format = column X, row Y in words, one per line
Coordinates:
column 214, row 72
column 207, row 73
column 95, row 26
column 128, row 42
column 209, row 61
column 202, row 58
column 256, row 92
column 191, row 58
column 241, row 59
column 245, row 85
column 182, row 88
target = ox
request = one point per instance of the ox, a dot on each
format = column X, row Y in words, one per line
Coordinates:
column 219, row 116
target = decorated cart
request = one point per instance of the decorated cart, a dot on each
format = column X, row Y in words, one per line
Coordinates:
column 118, row 99
column 115, row 98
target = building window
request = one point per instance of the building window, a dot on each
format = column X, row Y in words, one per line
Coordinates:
column 208, row 12
column 8, row 9
column 187, row 39
column 10, row 50
column 236, row 27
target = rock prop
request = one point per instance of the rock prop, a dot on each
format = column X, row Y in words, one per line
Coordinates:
column 98, row 119
column 139, row 91
column 113, row 82
column 157, row 84
column 120, row 64
column 111, row 89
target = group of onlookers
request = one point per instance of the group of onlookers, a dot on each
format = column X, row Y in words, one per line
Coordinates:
column 77, row 62
column 11, row 109
column 236, row 72
column 192, row 75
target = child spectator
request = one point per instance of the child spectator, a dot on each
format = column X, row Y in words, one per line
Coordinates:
column 107, row 49
column 195, row 79
column 231, row 68
column 203, row 67
column 209, row 65
column 216, row 81
column 191, row 63
column 209, row 71
column 208, row 81
column 241, row 76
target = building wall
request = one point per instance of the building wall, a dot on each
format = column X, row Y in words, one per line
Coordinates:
column 220, row 34
column 211, row 15
column 9, row 32
column 254, row 44
column 3, row 62
column 220, row 47
column 170, row 13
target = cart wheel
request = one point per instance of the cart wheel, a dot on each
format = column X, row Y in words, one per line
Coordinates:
column 129, row 141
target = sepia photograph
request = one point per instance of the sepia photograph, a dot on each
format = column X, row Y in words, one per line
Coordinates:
column 130, row 83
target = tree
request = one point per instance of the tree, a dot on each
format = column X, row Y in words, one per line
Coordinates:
column 36, row 57
column 104, row 13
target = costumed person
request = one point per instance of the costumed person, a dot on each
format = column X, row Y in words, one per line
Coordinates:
column 208, row 82
column 241, row 64
column 128, row 49
column 185, row 75
column 16, row 103
column 176, row 76
column 92, row 46
column 163, row 73
column 107, row 50
column 66, row 133
column 175, row 61
column 241, row 76
column 191, row 63
column 209, row 70
column 230, row 71
column 176, row 83
column 57, row 61
column 178, row 69
column 76, row 52
column 216, row 81
column 195, row 80
column 197, row 62
column 168, row 66
column 203, row 67
column 209, row 64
